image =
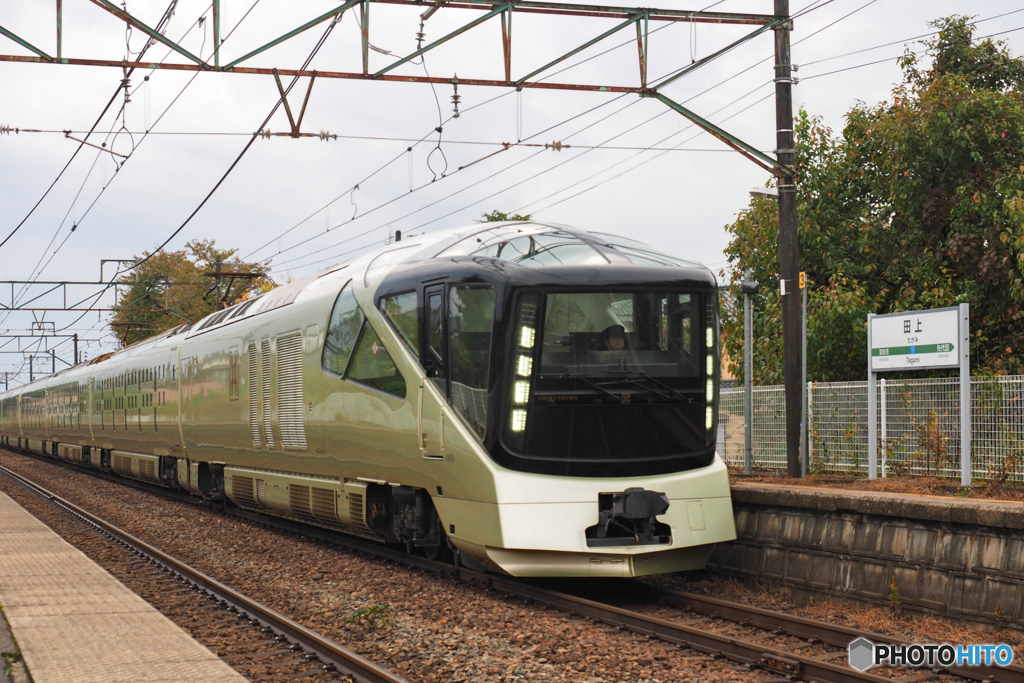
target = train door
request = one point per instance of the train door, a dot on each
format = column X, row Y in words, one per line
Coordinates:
column 433, row 391
column 186, row 409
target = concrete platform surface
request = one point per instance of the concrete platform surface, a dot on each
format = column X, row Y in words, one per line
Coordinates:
column 75, row 623
column 999, row 514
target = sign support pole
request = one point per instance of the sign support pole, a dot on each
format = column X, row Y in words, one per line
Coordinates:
column 872, row 413
column 803, row 376
column 965, row 394
column 748, row 383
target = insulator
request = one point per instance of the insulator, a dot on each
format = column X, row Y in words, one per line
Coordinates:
column 6, row 130
column 556, row 145
column 455, row 96
column 326, row 135
column 265, row 133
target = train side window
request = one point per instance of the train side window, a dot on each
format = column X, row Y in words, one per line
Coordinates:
column 470, row 326
column 434, row 314
column 373, row 366
column 403, row 312
column 342, row 330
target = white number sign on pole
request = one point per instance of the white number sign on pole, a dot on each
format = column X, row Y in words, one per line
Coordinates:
column 914, row 340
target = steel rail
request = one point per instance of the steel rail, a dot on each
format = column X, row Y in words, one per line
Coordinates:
column 327, row 651
column 810, row 629
column 748, row 653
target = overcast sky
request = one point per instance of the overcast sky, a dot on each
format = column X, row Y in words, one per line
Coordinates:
column 678, row 200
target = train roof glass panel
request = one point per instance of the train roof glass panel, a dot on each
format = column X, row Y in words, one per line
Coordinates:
column 642, row 254
column 386, row 259
column 545, row 249
column 490, row 236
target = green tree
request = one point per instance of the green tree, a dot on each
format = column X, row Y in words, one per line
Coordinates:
column 918, row 204
column 498, row 217
column 172, row 288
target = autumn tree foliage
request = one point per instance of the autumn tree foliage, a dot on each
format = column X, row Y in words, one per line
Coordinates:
column 173, row 288
column 919, row 203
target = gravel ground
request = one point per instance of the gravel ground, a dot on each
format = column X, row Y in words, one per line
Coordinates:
column 912, row 626
column 424, row 627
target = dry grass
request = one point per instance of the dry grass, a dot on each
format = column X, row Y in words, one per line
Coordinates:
column 914, row 627
column 932, row 486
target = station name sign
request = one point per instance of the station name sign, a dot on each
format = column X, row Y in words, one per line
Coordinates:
column 915, row 340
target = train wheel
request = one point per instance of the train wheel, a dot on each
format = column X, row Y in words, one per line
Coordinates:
column 444, row 550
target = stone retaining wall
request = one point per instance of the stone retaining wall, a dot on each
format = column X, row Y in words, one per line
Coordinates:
column 957, row 558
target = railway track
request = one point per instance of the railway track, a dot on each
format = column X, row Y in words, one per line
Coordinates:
column 692, row 624
column 334, row 657
column 808, row 630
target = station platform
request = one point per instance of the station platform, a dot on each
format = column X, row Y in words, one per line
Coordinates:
column 74, row 622
column 943, row 555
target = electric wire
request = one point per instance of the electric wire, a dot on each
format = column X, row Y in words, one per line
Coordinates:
column 464, row 110
column 523, row 207
column 163, row 22
column 241, row 154
column 890, row 59
column 103, row 189
column 815, row 5
column 898, row 42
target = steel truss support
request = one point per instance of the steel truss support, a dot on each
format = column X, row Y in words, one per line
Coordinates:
column 749, row 151
column 295, row 124
column 129, row 19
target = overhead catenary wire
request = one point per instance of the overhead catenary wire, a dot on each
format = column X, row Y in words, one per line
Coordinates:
column 803, row 11
column 382, row 138
column 465, row 110
column 162, row 24
column 523, row 207
column 163, row 113
column 148, row 131
column 248, row 145
column 478, row 201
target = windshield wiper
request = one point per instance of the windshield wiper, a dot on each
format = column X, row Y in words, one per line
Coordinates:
column 595, row 385
column 646, row 377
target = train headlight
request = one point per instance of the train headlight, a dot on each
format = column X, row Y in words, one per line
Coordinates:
column 708, row 418
column 526, row 337
column 711, row 365
column 525, row 366
column 710, row 390
column 518, row 420
column 521, row 392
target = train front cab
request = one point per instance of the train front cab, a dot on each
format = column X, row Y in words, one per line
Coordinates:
column 580, row 454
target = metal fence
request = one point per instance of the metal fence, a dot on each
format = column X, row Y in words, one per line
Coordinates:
column 920, row 435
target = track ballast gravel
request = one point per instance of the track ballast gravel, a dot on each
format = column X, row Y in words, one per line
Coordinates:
column 424, row 627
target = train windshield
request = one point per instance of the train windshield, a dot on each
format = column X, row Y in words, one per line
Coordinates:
column 613, row 383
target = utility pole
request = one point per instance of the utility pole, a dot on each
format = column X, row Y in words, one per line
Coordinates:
column 76, row 348
column 789, row 250
column 30, row 377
